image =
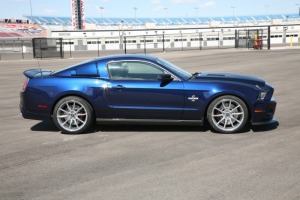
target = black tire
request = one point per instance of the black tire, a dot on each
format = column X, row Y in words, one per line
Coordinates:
column 73, row 115
column 227, row 114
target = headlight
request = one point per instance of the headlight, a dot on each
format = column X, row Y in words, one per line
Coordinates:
column 261, row 95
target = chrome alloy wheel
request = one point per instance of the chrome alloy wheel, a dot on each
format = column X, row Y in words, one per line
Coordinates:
column 228, row 115
column 72, row 115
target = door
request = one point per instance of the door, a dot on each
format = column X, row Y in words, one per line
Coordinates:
column 135, row 92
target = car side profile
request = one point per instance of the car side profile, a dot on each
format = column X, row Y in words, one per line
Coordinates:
column 144, row 89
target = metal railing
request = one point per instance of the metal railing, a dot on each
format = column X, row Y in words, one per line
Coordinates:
column 17, row 49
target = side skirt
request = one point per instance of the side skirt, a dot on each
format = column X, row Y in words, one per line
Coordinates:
column 149, row 121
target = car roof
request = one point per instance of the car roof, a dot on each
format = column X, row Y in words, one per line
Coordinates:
column 111, row 57
column 128, row 56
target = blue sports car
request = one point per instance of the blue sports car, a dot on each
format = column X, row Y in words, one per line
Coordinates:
column 144, row 89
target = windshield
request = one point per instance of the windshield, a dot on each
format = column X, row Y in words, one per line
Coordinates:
column 173, row 68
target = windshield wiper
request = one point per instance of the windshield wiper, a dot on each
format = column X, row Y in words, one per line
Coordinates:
column 194, row 75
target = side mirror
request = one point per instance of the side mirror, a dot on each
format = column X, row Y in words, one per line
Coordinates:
column 165, row 77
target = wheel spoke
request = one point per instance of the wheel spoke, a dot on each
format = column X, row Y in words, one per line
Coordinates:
column 79, row 109
column 231, row 123
column 219, row 115
column 237, row 120
column 80, row 120
column 65, row 122
column 63, row 116
column 221, row 120
column 71, row 122
column 225, row 123
column 76, row 123
column 218, row 110
column 68, row 106
column 237, row 113
column 223, row 104
column 229, row 104
column 81, row 114
column 63, row 110
column 236, row 107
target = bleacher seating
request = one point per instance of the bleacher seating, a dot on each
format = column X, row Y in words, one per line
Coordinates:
column 21, row 30
column 67, row 21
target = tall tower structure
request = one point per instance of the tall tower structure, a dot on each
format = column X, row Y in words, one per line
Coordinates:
column 78, row 20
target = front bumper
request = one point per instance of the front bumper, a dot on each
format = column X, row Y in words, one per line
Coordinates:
column 263, row 112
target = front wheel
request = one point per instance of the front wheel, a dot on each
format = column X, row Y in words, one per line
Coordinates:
column 227, row 114
column 73, row 115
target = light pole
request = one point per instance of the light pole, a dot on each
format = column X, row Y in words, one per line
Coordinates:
column 134, row 8
column 102, row 8
column 267, row 6
column 233, row 7
column 196, row 8
column 297, row 4
column 122, row 23
column 166, row 9
column 31, row 9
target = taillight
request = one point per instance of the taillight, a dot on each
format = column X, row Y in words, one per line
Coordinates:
column 25, row 84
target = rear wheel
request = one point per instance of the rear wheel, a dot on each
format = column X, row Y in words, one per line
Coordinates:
column 227, row 114
column 73, row 115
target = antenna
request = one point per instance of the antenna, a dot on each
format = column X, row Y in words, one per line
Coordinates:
column 40, row 67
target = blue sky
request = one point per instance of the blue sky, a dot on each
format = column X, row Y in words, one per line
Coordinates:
column 149, row 8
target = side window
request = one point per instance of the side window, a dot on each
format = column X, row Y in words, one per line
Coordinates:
column 116, row 71
column 134, row 70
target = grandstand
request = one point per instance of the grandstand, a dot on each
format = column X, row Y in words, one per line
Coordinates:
column 42, row 26
column 136, row 34
column 66, row 22
column 19, row 30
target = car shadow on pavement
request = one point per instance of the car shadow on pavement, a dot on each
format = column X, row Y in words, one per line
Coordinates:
column 265, row 128
column 148, row 128
column 49, row 126
column 45, row 126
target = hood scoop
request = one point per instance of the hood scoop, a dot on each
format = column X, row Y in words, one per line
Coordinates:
column 238, row 78
column 216, row 75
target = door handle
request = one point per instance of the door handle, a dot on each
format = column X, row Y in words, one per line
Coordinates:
column 118, row 87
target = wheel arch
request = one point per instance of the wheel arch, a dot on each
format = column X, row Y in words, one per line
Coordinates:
column 72, row 94
column 240, row 96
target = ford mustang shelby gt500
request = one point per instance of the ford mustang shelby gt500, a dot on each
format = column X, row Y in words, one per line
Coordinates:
column 144, row 89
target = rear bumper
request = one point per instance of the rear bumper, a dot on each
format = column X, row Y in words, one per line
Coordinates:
column 263, row 112
column 27, row 110
column 29, row 115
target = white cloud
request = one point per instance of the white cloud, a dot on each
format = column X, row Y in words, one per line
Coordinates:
column 207, row 4
column 155, row 1
column 184, row 1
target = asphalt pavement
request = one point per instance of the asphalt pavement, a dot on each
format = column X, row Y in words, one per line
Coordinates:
column 156, row 162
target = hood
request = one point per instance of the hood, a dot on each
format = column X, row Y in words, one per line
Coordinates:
column 217, row 76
